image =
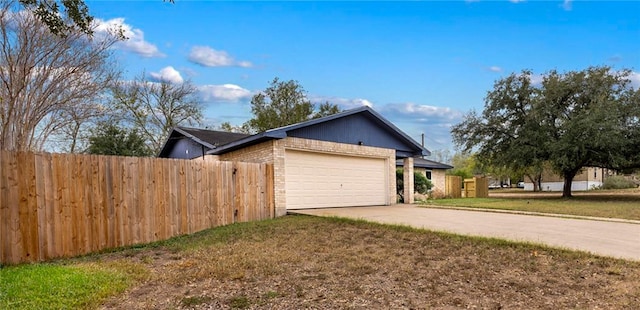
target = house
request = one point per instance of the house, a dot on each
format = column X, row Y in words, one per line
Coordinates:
column 189, row 143
column 588, row 178
column 345, row 159
column 433, row 170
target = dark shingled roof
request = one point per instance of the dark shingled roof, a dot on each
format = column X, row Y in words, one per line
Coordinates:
column 213, row 137
column 425, row 163
column 209, row 139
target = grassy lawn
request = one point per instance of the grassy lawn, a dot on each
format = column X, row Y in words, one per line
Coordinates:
column 622, row 204
column 64, row 286
column 307, row 262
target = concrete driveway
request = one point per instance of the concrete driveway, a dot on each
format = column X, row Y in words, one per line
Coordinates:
column 609, row 238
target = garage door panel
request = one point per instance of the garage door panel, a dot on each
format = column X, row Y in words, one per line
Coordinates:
column 318, row 180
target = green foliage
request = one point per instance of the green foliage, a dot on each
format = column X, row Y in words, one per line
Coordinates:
column 420, row 182
column 109, row 139
column 50, row 286
column 326, row 109
column 226, row 126
column 571, row 120
column 465, row 165
column 618, row 182
column 72, row 15
column 282, row 104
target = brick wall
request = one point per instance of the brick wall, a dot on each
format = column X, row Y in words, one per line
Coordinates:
column 274, row 151
column 438, row 178
column 259, row 153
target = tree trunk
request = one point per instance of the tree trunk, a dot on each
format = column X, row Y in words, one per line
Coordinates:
column 568, row 180
column 539, row 184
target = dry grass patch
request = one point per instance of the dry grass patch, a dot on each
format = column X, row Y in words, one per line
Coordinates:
column 621, row 204
column 324, row 263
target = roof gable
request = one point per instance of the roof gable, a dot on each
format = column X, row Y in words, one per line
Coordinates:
column 202, row 139
column 357, row 126
column 360, row 128
column 212, row 138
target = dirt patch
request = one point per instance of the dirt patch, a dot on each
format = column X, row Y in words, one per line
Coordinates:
column 321, row 263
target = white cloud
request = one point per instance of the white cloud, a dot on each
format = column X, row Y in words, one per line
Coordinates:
column 225, row 92
column 421, row 112
column 343, row 103
column 135, row 41
column 432, row 121
column 167, row 74
column 208, row 57
column 516, row 1
column 567, row 5
column 495, row 69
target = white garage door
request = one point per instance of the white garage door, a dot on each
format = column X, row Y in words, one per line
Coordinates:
column 318, row 180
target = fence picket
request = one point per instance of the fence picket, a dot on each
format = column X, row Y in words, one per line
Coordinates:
column 57, row 205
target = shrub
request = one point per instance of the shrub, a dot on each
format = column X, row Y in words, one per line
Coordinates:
column 618, row 182
column 420, row 183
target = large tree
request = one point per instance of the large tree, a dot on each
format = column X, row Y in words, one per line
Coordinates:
column 282, row 104
column 47, row 81
column 570, row 120
column 154, row 108
column 111, row 139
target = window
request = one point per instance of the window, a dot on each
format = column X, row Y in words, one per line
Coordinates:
column 428, row 174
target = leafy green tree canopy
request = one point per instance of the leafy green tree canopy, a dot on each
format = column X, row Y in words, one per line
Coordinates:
column 570, row 120
column 61, row 16
column 465, row 165
column 282, row 104
column 226, row 126
column 109, row 139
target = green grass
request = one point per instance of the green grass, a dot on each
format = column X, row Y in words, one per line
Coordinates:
column 607, row 206
column 315, row 262
column 60, row 286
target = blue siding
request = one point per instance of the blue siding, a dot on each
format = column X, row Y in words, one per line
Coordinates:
column 352, row 130
column 186, row 148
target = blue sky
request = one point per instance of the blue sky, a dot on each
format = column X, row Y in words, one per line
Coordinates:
column 422, row 65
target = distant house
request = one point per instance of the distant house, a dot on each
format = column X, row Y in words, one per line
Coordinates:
column 345, row 159
column 433, row 170
column 589, row 178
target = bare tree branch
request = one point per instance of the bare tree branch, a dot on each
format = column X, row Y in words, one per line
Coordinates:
column 46, row 80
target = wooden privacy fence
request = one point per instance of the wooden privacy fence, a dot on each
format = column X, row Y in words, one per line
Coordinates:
column 60, row 205
column 476, row 187
column 453, row 186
